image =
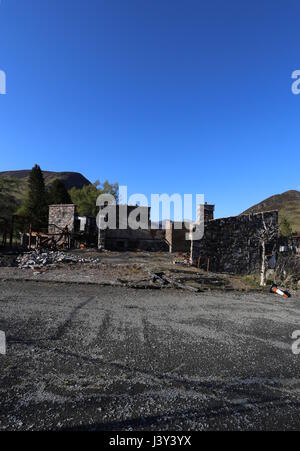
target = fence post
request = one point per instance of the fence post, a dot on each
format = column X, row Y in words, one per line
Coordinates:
column 30, row 232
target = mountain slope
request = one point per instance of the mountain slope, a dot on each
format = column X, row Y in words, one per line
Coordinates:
column 288, row 205
column 70, row 179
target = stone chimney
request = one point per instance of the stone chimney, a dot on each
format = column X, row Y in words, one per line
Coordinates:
column 205, row 211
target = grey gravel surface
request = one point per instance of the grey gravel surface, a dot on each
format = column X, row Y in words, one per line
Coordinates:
column 111, row 358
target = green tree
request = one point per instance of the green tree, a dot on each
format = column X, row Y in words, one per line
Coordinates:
column 86, row 197
column 58, row 194
column 35, row 206
column 9, row 191
column 286, row 229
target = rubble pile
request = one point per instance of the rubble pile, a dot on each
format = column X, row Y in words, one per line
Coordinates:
column 182, row 259
column 37, row 260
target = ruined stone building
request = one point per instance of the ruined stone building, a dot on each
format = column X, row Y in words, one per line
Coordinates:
column 62, row 216
column 177, row 233
column 65, row 218
column 121, row 238
column 125, row 238
column 229, row 245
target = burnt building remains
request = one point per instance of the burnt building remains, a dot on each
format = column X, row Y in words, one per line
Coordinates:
column 68, row 229
column 230, row 245
column 125, row 238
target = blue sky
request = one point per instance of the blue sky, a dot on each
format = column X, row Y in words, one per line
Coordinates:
column 169, row 96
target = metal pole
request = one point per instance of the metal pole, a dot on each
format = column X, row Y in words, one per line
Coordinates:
column 30, row 232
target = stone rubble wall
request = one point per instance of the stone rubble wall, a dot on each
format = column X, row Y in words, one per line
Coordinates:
column 230, row 244
column 61, row 216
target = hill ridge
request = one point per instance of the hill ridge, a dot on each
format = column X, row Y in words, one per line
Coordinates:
column 71, row 179
column 287, row 203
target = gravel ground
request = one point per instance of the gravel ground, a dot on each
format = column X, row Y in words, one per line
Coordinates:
column 111, row 358
column 127, row 269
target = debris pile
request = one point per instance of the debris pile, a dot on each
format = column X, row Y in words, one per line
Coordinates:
column 182, row 259
column 37, row 260
column 195, row 283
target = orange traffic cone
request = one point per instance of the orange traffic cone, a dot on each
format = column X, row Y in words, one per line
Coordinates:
column 274, row 289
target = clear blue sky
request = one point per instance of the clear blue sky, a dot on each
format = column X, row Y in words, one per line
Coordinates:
column 184, row 96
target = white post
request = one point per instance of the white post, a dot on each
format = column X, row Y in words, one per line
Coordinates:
column 263, row 264
column 2, row 343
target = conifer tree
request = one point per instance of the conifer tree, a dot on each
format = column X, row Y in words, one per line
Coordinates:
column 58, row 193
column 35, row 206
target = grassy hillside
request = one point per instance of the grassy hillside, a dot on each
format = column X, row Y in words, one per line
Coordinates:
column 288, row 204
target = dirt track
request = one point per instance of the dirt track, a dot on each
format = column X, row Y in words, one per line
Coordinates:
column 111, row 358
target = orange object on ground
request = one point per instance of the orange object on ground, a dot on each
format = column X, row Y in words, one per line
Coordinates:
column 274, row 289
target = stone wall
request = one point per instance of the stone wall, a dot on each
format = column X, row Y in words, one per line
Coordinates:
column 130, row 240
column 205, row 212
column 295, row 242
column 230, row 244
column 176, row 231
column 176, row 237
column 61, row 216
column 125, row 238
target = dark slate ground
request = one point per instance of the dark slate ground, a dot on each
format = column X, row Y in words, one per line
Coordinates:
column 88, row 357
